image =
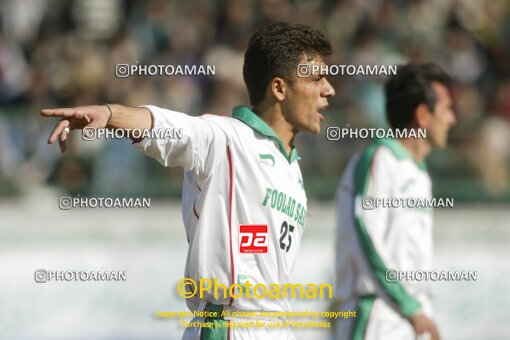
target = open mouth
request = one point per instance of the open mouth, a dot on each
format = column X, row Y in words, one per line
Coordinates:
column 321, row 117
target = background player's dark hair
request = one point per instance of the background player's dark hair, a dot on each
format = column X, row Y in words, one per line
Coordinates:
column 410, row 87
column 275, row 51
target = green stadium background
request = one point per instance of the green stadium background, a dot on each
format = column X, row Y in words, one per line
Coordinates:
column 63, row 53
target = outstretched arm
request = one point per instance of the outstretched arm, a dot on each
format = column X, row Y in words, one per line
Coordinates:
column 97, row 116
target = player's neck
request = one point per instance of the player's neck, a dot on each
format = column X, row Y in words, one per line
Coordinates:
column 273, row 117
column 418, row 147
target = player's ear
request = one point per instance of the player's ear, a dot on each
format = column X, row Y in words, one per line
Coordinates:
column 422, row 116
column 279, row 88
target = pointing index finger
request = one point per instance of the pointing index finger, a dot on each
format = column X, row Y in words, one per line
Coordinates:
column 64, row 112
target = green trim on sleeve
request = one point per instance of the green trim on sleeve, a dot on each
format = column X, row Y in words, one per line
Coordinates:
column 399, row 151
column 359, row 328
column 247, row 116
column 404, row 301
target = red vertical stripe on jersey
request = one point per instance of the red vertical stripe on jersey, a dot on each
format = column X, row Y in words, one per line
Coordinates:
column 231, row 190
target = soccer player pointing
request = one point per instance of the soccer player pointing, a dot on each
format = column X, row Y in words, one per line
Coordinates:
column 373, row 242
column 241, row 173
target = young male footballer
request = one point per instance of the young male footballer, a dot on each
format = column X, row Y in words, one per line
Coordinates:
column 374, row 243
column 244, row 204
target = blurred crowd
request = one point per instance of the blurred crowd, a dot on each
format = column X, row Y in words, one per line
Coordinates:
column 58, row 53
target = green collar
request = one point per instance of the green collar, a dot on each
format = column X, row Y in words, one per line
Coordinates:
column 400, row 151
column 247, row 116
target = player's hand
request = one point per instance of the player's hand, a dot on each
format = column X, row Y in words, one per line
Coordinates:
column 76, row 118
column 423, row 325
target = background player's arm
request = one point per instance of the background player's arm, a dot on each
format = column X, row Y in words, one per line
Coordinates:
column 422, row 324
column 373, row 179
column 97, row 116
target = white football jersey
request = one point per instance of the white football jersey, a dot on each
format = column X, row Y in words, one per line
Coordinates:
column 243, row 201
column 371, row 241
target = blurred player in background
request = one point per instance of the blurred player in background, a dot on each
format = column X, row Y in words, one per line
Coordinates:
column 371, row 242
column 239, row 172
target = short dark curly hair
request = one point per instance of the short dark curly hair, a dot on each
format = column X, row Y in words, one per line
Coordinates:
column 275, row 51
column 410, row 87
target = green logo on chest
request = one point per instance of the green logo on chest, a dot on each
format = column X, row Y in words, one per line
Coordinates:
column 267, row 159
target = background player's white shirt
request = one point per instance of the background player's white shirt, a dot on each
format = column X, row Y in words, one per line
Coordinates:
column 236, row 172
column 370, row 242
